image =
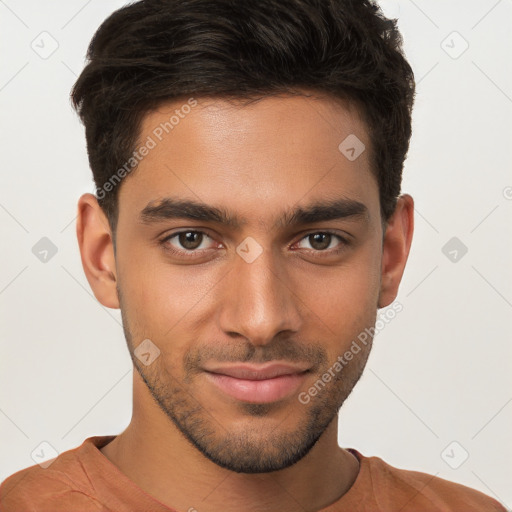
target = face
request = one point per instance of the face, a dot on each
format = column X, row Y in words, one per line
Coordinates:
column 249, row 250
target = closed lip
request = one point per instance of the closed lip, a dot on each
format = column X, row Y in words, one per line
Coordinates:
column 257, row 372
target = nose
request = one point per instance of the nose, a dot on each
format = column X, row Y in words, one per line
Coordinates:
column 258, row 302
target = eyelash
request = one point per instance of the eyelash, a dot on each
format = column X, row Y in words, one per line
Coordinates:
column 344, row 242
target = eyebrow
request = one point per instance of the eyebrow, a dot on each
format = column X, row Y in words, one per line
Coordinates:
column 174, row 208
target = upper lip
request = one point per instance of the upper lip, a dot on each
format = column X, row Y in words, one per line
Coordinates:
column 257, row 372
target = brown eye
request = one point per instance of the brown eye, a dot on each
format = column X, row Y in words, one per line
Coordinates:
column 188, row 243
column 190, row 240
column 323, row 242
column 320, row 241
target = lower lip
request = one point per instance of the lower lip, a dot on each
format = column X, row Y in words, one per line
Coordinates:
column 257, row 391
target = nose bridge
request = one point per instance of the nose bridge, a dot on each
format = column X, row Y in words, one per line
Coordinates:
column 257, row 301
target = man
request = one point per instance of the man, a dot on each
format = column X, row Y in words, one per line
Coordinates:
column 248, row 223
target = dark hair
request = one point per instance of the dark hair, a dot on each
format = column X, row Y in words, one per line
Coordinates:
column 156, row 51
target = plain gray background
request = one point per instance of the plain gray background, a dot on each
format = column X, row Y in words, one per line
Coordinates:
column 437, row 392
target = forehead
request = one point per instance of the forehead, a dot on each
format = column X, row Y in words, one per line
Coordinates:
column 254, row 158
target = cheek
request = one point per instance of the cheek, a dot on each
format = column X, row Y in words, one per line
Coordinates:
column 147, row 291
column 345, row 297
column 163, row 300
column 159, row 299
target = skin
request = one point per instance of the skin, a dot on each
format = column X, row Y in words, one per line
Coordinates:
column 189, row 444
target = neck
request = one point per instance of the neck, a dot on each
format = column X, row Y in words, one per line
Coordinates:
column 154, row 454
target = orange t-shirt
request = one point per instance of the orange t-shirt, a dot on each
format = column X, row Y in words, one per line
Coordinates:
column 84, row 480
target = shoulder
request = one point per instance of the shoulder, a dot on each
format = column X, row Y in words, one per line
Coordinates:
column 39, row 489
column 417, row 491
column 63, row 485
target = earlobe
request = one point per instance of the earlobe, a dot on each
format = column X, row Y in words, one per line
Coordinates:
column 395, row 249
column 97, row 250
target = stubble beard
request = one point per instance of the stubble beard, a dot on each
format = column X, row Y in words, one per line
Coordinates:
column 261, row 449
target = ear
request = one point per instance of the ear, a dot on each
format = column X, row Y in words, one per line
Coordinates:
column 395, row 249
column 97, row 250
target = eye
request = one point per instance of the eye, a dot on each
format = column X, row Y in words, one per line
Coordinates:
column 192, row 243
column 186, row 241
column 323, row 241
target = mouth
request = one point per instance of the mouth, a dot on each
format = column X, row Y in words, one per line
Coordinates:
column 257, row 383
